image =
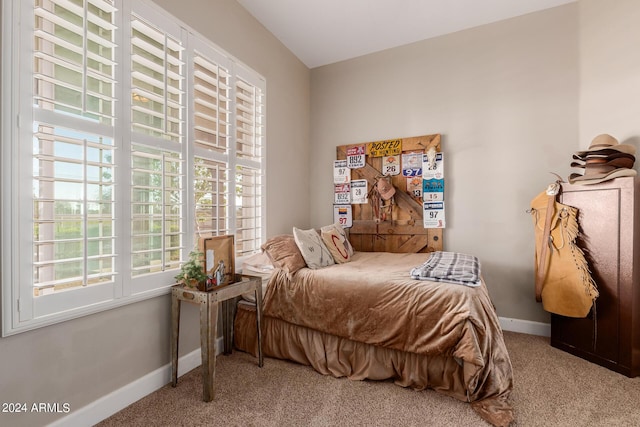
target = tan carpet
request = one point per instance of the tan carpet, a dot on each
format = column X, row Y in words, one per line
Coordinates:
column 551, row 388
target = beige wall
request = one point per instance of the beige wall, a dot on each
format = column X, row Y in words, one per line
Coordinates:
column 504, row 97
column 610, row 70
column 83, row 360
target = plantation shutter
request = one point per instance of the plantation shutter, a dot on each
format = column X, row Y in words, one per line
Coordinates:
column 108, row 177
column 74, row 62
column 157, row 81
column 157, row 154
column 73, row 161
column 211, row 104
column 211, row 197
column 249, row 129
column 156, row 199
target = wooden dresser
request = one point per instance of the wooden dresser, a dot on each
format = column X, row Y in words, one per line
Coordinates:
column 609, row 218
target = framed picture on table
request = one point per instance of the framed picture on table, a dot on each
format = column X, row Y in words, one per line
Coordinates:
column 219, row 256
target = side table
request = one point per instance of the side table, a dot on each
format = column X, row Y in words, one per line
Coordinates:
column 209, row 302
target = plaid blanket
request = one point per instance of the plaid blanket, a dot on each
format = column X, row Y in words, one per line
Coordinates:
column 451, row 267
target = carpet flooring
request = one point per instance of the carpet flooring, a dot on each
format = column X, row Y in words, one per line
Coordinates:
column 551, row 388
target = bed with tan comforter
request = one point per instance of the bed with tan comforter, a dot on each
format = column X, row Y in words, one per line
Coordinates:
column 368, row 319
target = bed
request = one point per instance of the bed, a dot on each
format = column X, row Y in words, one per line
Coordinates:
column 368, row 319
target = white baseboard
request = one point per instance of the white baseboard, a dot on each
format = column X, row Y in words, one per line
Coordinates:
column 525, row 326
column 117, row 400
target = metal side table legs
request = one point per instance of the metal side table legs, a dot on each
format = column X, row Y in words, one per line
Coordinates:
column 208, row 302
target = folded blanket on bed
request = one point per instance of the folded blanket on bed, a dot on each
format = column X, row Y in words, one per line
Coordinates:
column 451, row 267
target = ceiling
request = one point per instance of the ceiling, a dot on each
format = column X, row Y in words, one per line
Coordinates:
column 321, row 32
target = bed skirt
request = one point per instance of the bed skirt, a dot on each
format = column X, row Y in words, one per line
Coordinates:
column 340, row 357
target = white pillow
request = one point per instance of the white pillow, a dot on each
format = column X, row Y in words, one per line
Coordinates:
column 314, row 252
column 257, row 263
column 335, row 238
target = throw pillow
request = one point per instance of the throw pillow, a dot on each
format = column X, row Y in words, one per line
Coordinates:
column 336, row 240
column 313, row 250
column 283, row 252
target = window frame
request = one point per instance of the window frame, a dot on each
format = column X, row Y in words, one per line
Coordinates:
column 21, row 310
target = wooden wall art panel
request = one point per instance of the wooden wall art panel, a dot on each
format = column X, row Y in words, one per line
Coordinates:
column 404, row 230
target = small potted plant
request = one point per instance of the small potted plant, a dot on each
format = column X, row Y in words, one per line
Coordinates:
column 192, row 273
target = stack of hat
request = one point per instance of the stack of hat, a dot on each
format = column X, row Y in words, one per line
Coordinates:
column 605, row 159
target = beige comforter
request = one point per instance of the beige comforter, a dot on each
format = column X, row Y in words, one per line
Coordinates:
column 373, row 300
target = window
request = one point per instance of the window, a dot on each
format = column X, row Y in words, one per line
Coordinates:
column 73, row 222
column 125, row 137
column 211, row 103
column 156, row 210
column 249, row 127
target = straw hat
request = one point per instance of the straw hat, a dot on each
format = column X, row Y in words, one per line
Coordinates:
column 607, row 142
column 617, row 162
column 592, row 176
column 605, row 159
column 606, row 153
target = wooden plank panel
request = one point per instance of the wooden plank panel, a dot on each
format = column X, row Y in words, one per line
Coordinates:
column 405, row 243
column 403, row 231
column 387, row 227
column 415, row 244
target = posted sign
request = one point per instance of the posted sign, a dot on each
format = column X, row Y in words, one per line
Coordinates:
column 385, row 148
